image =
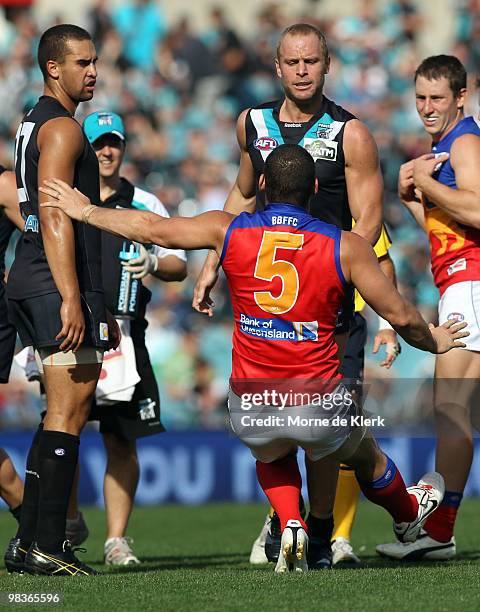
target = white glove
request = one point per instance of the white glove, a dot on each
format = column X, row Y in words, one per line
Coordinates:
column 144, row 264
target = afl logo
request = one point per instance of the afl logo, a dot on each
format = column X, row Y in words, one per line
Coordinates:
column 265, row 144
column 456, row 316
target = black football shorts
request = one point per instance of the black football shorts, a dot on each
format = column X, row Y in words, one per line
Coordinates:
column 8, row 336
column 37, row 319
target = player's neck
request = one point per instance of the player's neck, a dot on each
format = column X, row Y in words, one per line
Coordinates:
column 295, row 112
column 63, row 98
column 109, row 186
column 450, row 127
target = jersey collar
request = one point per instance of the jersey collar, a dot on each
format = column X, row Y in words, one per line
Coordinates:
column 285, row 206
column 123, row 197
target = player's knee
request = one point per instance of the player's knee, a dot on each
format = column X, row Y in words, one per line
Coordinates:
column 367, row 459
column 453, row 411
column 70, row 418
column 453, row 419
column 119, row 447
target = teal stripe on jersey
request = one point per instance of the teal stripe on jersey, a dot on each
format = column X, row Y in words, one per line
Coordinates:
column 312, row 132
column 139, row 206
column 272, row 125
column 325, row 118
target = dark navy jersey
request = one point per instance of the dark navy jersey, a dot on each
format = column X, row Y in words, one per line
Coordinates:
column 30, row 274
column 322, row 137
column 6, row 230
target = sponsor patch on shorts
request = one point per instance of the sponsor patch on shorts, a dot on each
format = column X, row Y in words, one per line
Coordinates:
column 103, row 328
column 146, row 409
column 455, row 316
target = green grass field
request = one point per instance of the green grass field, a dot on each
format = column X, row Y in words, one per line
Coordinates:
column 197, row 559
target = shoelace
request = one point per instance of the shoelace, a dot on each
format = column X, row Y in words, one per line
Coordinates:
column 67, row 547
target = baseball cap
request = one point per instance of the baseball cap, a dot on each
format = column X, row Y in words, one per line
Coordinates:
column 103, row 122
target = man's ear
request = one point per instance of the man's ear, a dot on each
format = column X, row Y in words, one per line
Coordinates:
column 277, row 68
column 53, row 69
column 461, row 98
column 327, row 65
column 261, row 182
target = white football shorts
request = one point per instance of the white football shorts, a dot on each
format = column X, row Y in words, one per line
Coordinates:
column 461, row 301
column 319, row 433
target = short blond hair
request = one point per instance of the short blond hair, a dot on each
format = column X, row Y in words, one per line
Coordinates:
column 304, row 29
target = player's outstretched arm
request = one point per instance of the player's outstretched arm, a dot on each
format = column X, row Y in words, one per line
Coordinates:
column 240, row 199
column 364, row 180
column 386, row 336
column 463, row 203
column 60, row 143
column 206, row 231
column 9, row 198
column 360, row 266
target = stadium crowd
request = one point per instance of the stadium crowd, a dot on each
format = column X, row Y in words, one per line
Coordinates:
column 179, row 92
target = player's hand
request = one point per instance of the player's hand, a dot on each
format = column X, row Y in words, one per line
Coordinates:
column 406, row 186
column 73, row 325
column 202, row 302
column 448, row 335
column 145, row 263
column 425, row 165
column 387, row 337
column 114, row 333
column 64, row 197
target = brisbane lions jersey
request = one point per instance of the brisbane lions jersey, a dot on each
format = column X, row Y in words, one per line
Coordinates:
column 286, row 285
column 455, row 248
column 322, row 137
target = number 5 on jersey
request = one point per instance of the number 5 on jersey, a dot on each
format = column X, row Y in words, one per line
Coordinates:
column 269, row 266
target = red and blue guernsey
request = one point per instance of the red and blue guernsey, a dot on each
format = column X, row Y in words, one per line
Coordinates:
column 286, row 285
column 454, row 247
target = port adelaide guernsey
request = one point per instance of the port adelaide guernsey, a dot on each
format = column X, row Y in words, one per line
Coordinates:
column 322, row 137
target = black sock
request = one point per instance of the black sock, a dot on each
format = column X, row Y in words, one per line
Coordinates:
column 58, row 456
column 15, row 512
column 29, row 507
column 320, row 528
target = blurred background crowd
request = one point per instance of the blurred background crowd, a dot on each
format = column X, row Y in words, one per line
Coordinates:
column 179, row 87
